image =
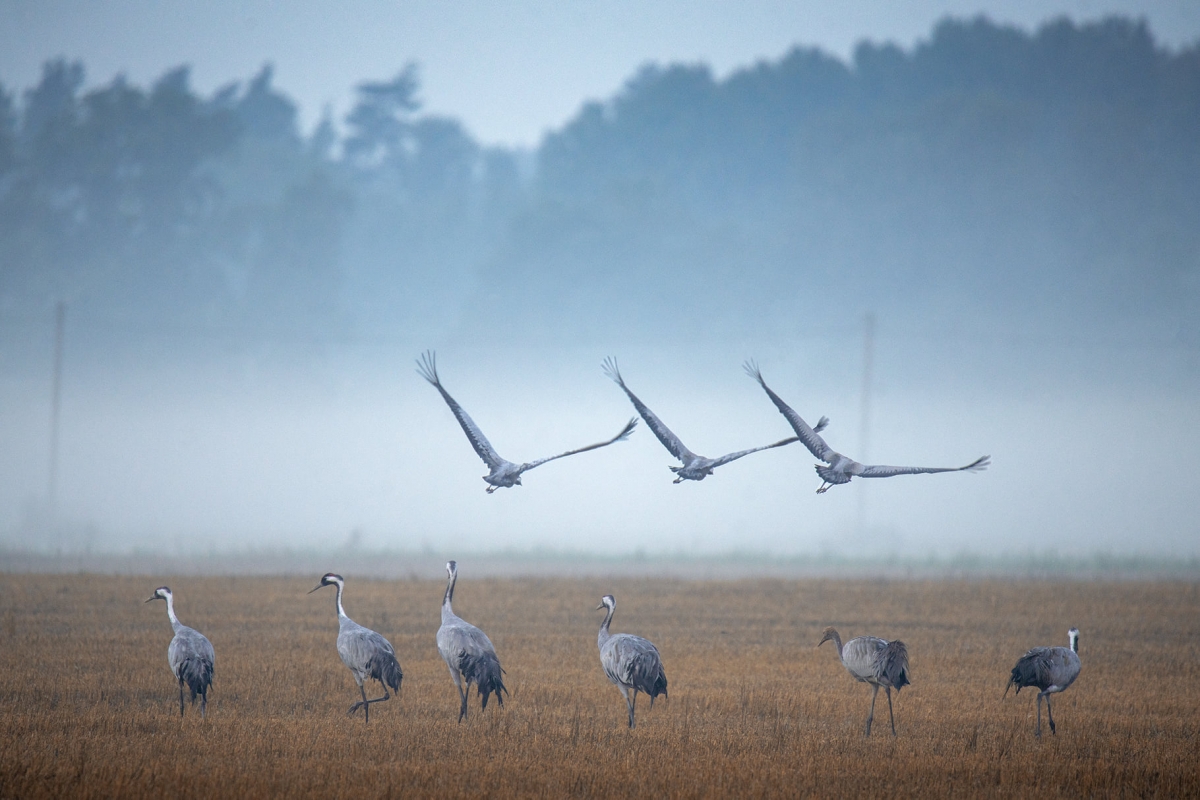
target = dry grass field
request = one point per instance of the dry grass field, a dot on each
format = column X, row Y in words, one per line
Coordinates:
column 88, row 707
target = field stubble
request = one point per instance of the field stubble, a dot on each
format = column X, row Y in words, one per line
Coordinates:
column 90, row 708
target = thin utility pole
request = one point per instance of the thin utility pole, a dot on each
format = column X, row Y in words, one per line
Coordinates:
column 60, row 322
column 864, row 429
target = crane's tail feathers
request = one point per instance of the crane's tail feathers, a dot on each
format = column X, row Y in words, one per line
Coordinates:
column 979, row 464
column 831, row 476
column 610, row 369
column 485, row 672
column 386, row 669
column 196, row 674
column 674, row 469
column 427, row 367
column 822, row 423
column 893, row 664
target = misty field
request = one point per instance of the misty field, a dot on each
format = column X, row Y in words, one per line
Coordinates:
column 90, row 709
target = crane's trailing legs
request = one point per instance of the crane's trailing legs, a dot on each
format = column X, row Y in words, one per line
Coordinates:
column 365, row 704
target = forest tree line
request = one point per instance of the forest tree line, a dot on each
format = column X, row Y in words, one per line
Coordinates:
column 1032, row 178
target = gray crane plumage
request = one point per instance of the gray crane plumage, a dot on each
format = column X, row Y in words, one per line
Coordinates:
column 468, row 652
column 190, row 655
column 876, row 661
column 630, row 662
column 504, row 473
column 1050, row 669
column 364, row 652
column 842, row 468
column 695, row 467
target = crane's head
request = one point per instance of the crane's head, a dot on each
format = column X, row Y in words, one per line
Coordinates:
column 451, row 568
column 329, row 579
column 161, row 593
column 828, row 634
column 607, row 602
column 1073, row 635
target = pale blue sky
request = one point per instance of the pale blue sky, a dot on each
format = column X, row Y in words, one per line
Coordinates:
column 509, row 71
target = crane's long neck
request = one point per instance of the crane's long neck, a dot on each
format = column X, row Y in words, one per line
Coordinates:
column 341, row 611
column 175, row 623
column 837, row 641
column 447, row 609
column 604, row 635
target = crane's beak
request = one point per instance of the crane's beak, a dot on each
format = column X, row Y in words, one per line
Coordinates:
column 152, row 599
column 600, row 606
column 310, row 591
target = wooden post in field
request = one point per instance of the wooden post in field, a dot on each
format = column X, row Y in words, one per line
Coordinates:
column 864, row 430
column 60, row 319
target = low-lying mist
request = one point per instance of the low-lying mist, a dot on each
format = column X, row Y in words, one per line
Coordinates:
column 351, row 449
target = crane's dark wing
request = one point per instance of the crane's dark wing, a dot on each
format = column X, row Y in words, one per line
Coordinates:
column 812, row 440
column 624, row 434
column 725, row 459
column 636, row 662
column 427, row 369
column 881, row 471
column 662, row 432
column 1032, row 669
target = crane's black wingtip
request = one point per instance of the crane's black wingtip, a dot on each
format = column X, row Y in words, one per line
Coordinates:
column 427, row 367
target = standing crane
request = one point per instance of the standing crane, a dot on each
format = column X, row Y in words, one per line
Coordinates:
column 190, row 655
column 695, row 467
column 364, row 652
column 504, row 473
column 842, row 468
column 876, row 661
column 1050, row 669
column 468, row 652
column 629, row 661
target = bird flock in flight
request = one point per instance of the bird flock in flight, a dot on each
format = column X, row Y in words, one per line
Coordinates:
column 835, row 470
column 630, row 662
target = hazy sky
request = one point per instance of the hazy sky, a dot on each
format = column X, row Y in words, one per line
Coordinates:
column 510, row 70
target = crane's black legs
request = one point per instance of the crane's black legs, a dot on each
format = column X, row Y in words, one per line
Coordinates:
column 366, row 704
column 203, row 702
column 462, row 713
column 181, row 697
column 1049, row 714
column 888, row 690
column 1038, row 730
column 871, row 716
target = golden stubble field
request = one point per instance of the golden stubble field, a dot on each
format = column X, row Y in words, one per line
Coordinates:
column 88, row 707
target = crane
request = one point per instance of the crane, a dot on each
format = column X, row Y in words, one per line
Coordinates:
column 1050, row 669
column 629, row 661
column 364, row 652
column 876, row 661
column 841, row 468
column 190, row 655
column 504, row 473
column 695, row 467
column 468, row 652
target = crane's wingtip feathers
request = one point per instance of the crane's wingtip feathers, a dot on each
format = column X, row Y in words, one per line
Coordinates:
column 427, row 367
column 751, row 368
column 979, row 464
column 609, row 365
